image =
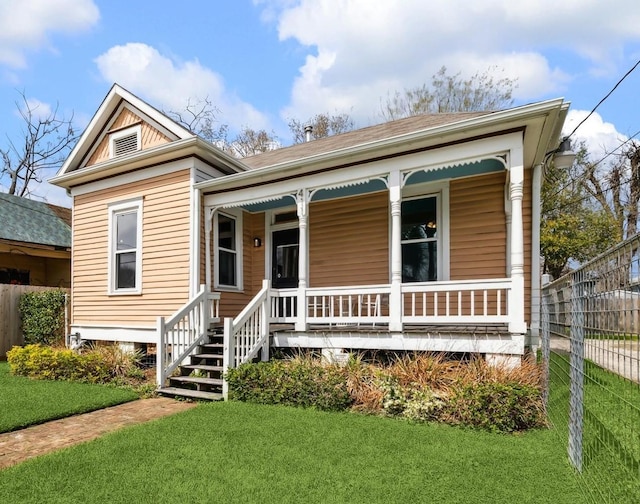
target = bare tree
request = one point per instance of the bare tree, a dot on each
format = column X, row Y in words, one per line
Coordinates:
column 250, row 142
column 46, row 140
column 323, row 125
column 200, row 117
column 451, row 93
column 618, row 189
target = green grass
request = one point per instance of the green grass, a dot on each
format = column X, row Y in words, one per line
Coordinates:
column 25, row 402
column 244, row 453
column 611, row 438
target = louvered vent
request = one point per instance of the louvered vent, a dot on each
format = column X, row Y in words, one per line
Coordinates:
column 125, row 144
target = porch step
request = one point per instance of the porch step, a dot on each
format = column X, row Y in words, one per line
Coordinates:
column 213, row 346
column 205, row 356
column 202, row 367
column 192, row 394
column 197, row 380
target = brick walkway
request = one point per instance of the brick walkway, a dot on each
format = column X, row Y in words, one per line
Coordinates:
column 24, row 444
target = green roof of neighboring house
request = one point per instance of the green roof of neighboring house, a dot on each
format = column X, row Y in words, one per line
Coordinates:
column 25, row 220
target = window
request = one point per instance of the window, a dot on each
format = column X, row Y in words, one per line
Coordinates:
column 14, row 276
column 228, row 253
column 420, row 239
column 125, row 248
column 125, row 141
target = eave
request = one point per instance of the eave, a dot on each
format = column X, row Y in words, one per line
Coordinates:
column 539, row 122
column 179, row 149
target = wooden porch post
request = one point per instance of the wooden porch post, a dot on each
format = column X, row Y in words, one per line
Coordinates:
column 517, row 323
column 395, row 296
column 302, row 201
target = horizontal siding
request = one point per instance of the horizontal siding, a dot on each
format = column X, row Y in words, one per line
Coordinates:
column 165, row 249
column 349, row 241
column 478, row 236
column 150, row 136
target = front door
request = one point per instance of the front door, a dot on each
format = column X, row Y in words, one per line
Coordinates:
column 284, row 258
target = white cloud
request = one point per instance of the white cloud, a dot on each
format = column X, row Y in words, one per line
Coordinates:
column 600, row 137
column 169, row 84
column 27, row 25
column 38, row 109
column 360, row 50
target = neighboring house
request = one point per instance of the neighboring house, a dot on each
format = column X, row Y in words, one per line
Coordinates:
column 417, row 234
column 35, row 242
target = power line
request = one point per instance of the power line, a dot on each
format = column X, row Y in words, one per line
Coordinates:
column 603, row 100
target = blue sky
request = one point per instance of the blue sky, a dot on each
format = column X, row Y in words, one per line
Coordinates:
column 262, row 62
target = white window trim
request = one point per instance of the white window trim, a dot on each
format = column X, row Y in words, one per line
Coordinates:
column 235, row 214
column 137, row 129
column 439, row 189
column 115, row 209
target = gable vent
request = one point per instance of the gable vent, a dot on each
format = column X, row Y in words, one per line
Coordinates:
column 125, row 144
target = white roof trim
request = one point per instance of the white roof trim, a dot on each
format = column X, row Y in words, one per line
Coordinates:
column 102, row 117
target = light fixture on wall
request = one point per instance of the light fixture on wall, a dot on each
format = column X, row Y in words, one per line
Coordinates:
column 257, row 242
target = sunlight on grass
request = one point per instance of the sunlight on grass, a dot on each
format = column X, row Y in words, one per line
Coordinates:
column 26, row 402
column 238, row 452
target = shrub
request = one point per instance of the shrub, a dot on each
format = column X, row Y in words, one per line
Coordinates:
column 102, row 364
column 418, row 387
column 497, row 407
column 296, row 382
column 44, row 362
column 412, row 402
column 42, row 316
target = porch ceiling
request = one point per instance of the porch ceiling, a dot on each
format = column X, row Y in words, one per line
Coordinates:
column 375, row 185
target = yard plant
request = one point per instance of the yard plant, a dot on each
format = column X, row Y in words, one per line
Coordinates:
column 42, row 315
column 418, row 387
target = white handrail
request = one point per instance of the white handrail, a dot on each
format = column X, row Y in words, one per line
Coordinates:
column 247, row 334
column 180, row 334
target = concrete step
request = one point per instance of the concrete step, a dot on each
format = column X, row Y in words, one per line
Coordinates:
column 192, row 394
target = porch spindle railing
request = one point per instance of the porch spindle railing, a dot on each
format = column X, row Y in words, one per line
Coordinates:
column 247, row 334
column 180, row 334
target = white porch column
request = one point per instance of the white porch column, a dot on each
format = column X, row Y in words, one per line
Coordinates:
column 302, row 200
column 395, row 297
column 517, row 323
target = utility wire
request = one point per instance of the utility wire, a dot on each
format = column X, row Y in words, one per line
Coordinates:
column 603, row 100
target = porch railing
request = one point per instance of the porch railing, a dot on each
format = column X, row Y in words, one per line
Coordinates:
column 180, row 334
column 457, row 302
column 247, row 334
column 451, row 302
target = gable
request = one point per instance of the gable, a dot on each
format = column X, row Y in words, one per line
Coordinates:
column 130, row 133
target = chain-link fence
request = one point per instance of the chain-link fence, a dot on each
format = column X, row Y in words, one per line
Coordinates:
column 591, row 348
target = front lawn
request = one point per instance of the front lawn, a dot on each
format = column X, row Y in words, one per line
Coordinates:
column 239, row 452
column 25, row 402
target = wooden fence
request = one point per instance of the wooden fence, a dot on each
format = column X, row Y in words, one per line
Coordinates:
column 10, row 330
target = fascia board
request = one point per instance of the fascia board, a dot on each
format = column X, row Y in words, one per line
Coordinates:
column 160, row 154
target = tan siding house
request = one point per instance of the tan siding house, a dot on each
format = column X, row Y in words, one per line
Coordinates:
column 418, row 234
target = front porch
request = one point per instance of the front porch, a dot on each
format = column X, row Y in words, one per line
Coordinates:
column 455, row 317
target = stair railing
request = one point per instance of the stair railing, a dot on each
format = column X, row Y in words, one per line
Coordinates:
column 247, row 334
column 180, row 334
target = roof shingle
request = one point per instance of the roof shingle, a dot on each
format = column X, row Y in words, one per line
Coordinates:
column 29, row 221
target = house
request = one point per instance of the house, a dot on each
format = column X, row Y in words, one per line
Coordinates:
column 417, row 234
column 35, row 242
